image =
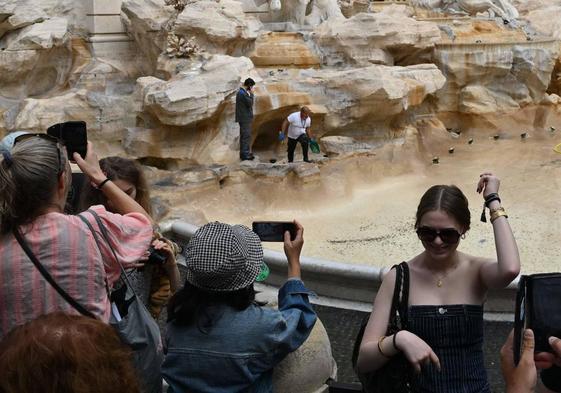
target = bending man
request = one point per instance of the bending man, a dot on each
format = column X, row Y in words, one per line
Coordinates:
column 298, row 126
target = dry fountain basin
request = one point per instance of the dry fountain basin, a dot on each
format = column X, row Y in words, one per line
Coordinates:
column 358, row 212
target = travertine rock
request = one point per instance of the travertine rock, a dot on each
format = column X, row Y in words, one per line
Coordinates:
column 44, row 35
column 15, row 14
column 103, row 114
column 147, row 21
column 219, row 26
column 359, row 98
column 24, row 16
column 194, row 96
column 174, row 147
column 39, row 114
column 546, row 19
column 495, row 77
column 344, row 145
column 35, row 59
column 26, row 73
column 283, row 49
column 525, row 6
column 389, row 37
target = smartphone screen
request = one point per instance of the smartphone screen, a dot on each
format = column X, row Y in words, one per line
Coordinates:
column 73, row 134
column 273, row 231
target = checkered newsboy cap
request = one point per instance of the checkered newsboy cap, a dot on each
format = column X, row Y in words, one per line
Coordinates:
column 222, row 257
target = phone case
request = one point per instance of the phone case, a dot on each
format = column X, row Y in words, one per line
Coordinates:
column 538, row 307
column 73, row 134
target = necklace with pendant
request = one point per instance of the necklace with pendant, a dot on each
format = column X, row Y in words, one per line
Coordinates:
column 439, row 280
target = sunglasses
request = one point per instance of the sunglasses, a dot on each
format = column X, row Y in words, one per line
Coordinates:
column 447, row 235
column 49, row 138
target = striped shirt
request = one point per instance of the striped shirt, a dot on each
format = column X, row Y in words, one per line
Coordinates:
column 67, row 249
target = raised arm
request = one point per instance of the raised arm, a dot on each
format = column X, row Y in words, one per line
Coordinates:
column 122, row 202
column 496, row 275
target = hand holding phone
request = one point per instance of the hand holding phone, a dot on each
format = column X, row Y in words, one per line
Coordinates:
column 273, row 231
column 292, row 250
column 538, row 307
column 74, row 136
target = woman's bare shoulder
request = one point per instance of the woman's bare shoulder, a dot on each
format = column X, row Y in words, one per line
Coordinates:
column 474, row 261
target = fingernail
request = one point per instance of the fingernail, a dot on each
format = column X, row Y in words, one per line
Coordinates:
column 527, row 333
column 552, row 339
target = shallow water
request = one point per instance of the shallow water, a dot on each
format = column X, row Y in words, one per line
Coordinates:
column 362, row 211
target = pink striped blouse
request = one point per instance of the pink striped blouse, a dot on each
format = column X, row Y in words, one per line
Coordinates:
column 68, row 251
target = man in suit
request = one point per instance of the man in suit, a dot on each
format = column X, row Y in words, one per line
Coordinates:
column 244, row 116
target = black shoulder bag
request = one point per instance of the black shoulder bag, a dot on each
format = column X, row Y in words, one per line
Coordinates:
column 395, row 376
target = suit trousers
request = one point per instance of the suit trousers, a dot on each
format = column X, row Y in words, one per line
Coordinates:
column 245, row 140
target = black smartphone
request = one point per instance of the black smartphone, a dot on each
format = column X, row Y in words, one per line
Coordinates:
column 273, row 231
column 538, row 307
column 74, row 135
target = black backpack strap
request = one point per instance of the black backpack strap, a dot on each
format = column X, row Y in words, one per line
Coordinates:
column 69, row 299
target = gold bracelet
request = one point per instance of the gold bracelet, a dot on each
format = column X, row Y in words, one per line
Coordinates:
column 380, row 347
column 496, row 213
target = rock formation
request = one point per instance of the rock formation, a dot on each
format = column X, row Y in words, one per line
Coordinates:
column 35, row 58
column 389, row 37
column 501, row 8
column 219, row 27
column 170, row 100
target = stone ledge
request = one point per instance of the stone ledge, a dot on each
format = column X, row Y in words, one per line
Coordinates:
column 345, row 281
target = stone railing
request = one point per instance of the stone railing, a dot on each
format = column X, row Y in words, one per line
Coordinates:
column 344, row 281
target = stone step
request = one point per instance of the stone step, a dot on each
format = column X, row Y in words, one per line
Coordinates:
column 283, row 49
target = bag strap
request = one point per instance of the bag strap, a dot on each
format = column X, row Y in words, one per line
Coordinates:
column 404, row 298
column 69, row 299
column 400, row 300
column 105, row 235
column 394, row 320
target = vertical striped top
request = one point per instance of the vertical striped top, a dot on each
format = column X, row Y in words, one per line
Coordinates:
column 67, row 249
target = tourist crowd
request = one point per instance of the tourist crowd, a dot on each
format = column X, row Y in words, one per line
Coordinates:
column 80, row 293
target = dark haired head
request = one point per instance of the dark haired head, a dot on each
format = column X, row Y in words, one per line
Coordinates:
column 449, row 199
column 249, row 82
column 189, row 305
column 118, row 168
column 65, row 354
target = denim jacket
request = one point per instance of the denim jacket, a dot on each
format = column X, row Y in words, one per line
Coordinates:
column 239, row 351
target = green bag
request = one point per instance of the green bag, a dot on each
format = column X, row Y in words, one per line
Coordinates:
column 314, row 146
